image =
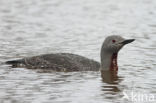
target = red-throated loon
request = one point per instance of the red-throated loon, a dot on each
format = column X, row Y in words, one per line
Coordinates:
column 73, row 62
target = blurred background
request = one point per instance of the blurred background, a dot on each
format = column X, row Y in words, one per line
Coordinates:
column 34, row 27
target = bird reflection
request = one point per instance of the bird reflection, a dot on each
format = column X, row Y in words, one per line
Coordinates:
column 109, row 77
column 112, row 80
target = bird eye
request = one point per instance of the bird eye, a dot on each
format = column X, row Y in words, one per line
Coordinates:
column 113, row 41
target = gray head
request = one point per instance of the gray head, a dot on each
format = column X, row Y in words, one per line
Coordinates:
column 110, row 49
column 114, row 43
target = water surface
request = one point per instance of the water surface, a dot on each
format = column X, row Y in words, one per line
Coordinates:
column 34, row 27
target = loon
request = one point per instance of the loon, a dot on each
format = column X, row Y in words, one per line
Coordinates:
column 72, row 62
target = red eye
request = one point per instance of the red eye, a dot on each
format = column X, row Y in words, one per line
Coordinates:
column 113, row 41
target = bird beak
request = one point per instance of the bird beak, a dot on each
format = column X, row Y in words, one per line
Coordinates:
column 127, row 41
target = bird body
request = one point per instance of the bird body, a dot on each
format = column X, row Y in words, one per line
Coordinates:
column 57, row 62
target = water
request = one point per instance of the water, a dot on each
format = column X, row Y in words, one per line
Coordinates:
column 33, row 27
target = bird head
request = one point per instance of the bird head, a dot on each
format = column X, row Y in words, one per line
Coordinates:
column 114, row 43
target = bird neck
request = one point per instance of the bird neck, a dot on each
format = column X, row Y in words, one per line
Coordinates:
column 114, row 64
column 109, row 61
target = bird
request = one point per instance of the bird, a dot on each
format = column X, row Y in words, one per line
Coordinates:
column 67, row 62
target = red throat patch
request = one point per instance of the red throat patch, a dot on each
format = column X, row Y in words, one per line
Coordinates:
column 114, row 65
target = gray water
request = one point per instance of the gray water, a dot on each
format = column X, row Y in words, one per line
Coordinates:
column 34, row 27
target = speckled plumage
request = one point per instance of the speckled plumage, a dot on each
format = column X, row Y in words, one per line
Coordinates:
column 57, row 62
